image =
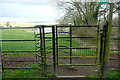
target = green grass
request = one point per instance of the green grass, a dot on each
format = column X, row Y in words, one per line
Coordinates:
column 16, row 34
column 31, row 73
column 113, row 75
column 108, row 76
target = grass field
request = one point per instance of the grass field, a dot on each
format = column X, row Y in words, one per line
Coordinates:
column 20, row 34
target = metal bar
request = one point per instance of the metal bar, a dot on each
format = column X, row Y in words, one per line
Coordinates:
column 19, row 61
column 113, row 67
column 18, row 51
column 103, row 63
column 70, row 44
column 114, row 50
column 77, row 37
column 77, row 56
column 41, row 45
column 68, row 37
column 79, row 48
column 115, row 38
column 114, row 59
column 18, row 27
column 115, row 25
column 44, row 52
column 19, row 40
column 48, row 33
column 77, row 64
column 63, row 32
column 53, row 42
column 72, row 48
column 22, row 68
column 81, row 26
column 101, row 47
column 62, row 46
column 57, row 45
column 35, row 42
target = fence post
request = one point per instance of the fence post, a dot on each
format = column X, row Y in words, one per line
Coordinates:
column 103, row 63
column 106, row 50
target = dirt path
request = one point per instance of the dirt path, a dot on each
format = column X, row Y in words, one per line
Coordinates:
column 60, row 70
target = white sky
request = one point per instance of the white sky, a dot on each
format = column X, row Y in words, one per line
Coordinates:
column 28, row 11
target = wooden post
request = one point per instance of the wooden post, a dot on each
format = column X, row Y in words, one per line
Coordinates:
column 119, row 27
column 119, row 23
column 106, row 52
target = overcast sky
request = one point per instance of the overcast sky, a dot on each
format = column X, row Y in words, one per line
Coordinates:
column 28, row 11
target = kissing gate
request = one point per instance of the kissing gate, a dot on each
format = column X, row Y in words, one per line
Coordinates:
column 64, row 46
column 66, row 49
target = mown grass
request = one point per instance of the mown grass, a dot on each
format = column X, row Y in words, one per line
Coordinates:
column 16, row 34
column 31, row 73
column 113, row 75
column 110, row 75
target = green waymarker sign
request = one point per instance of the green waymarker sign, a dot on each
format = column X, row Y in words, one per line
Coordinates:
column 103, row 1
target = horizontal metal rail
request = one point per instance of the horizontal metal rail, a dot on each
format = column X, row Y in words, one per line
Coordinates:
column 75, row 48
column 58, row 37
column 115, row 38
column 114, row 50
column 18, row 27
column 115, row 25
column 18, row 51
column 77, row 56
column 79, row 48
column 81, row 26
column 19, row 40
column 77, row 64
column 22, row 68
column 67, row 37
column 19, row 60
column 63, row 32
column 114, row 59
column 76, row 37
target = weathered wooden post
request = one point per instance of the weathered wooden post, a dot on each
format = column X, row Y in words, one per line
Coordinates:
column 105, row 56
column 119, row 26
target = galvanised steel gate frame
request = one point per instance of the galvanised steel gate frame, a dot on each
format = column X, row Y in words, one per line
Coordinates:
column 42, row 57
column 41, row 48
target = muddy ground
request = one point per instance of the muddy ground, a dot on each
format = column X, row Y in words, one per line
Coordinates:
column 61, row 70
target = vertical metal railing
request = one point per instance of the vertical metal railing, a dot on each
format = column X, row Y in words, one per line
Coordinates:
column 70, row 44
column 57, row 44
column 54, row 49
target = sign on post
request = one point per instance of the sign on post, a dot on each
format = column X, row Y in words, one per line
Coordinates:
column 103, row 1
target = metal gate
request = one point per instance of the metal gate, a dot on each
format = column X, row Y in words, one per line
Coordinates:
column 61, row 47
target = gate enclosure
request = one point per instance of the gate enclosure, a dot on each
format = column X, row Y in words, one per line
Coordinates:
column 62, row 47
column 57, row 46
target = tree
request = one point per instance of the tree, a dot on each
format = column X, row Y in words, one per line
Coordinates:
column 83, row 13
